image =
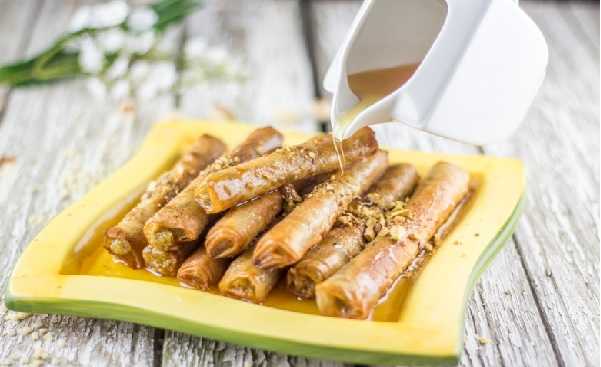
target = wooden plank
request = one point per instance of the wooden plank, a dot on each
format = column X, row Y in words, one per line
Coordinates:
column 279, row 91
column 586, row 17
column 64, row 142
column 16, row 20
column 267, row 36
column 521, row 342
column 558, row 237
column 499, row 332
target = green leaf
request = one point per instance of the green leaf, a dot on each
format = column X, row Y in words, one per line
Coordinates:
column 56, row 63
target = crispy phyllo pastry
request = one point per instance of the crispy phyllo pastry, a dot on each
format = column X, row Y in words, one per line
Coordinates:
column 201, row 271
column 290, row 239
column 239, row 226
column 166, row 263
column 398, row 182
column 362, row 221
column 234, row 185
column 356, row 288
column 246, row 281
column 126, row 240
column 182, row 220
column 234, row 233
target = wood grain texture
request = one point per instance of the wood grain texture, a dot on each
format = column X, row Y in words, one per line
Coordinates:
column 15, row 20
column 64, row 142
column 537, row 305
column 267, row 36
column 558, row 239
column 489, row 338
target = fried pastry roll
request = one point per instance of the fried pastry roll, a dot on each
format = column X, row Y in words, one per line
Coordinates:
column 397, row 183
column 246, row 281
column 346, row 240
column 182, row 220
column 166, row 263
column 339, row 246
column 290, row 239
column 201, row 271
column 239, row 226
column 125, row 241
column 356, row 288
column 318, row 155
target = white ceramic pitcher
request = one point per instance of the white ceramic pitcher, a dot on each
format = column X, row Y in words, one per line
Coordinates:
column 481, row 63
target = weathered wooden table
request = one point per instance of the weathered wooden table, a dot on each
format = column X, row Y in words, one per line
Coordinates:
column 537, row 305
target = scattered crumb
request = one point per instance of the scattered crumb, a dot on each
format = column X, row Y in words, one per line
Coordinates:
column 38, row 358
column 548, row 273
column 7, row 159
column 25, row 330
column 483, row 340
column 476, row 234
column 457, row 243
column 48, row 337
column 507, row 293
column 34, row 220
column 221, row 112
column 127, row 107
column 16, row 316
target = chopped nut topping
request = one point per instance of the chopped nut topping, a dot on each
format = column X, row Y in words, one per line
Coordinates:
column 7, row 159
column 483, row 340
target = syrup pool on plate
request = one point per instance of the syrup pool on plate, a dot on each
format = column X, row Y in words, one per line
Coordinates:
column 93, row 259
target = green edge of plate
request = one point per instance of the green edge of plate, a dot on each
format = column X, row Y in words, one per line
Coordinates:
column 105, row 310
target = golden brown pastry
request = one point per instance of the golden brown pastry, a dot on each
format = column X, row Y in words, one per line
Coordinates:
column 239, row 226
column 125, row 241
column 347, row 239
column 201, row 271
column 246, row 281
column 356, row 288
column 290, row 239
column 182, row 220
column 235, row 185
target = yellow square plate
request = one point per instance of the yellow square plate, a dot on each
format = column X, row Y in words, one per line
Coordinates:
column 48, row 277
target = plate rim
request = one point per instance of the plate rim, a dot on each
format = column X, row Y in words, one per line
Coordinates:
column 119, row 311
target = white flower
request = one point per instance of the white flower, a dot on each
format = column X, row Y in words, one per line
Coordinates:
column 81, row 19
column 96, row 88
column 139, row 71
column 140, row 43
column 110, row 14
column 103, row 15
column 195, row 48
column 118, row 68
column 120, row 90
column 148, row 90
column 164, row 74
column 91, row 58
column 160, row 78
column 216, row 55
column 142, row 19
column 112, row 40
